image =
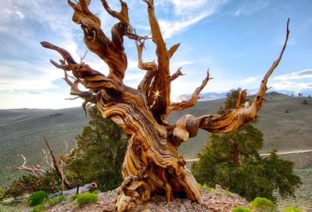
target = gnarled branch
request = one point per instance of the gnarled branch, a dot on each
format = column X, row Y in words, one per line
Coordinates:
column 112, row 52
column 173, row 49
column 176, row 74
column 232, row 119
column 190, row 102
column 90, row 78
column 148, row 66
column 122, row 16
column 34, row 169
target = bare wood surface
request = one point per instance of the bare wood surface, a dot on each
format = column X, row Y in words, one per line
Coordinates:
column 190, row 102
column 36, row 170
column 177, row 74
column 57, row 166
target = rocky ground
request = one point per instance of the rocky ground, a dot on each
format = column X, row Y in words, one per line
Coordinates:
column 213, row 200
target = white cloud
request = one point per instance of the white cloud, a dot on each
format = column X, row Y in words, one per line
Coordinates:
column 187, row 13
column 185, row 8
column 296, row 81
column 296, row 87
column 170, row 28
column 250, row 80
column 302, row 74
column 237, row 12
column 46, row 99
column 250, row 7
column 20, row 14
column 24, row 22
column 23, row 75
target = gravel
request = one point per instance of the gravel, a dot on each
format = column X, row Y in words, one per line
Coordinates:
column 214, row 200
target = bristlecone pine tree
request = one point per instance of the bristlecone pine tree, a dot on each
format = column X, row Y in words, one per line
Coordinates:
column 152, row 163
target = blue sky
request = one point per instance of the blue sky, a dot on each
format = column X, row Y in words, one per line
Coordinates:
column 238, row 40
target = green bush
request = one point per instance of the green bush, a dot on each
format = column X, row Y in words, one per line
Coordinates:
column 55, row 200
column 240, row 209
column 2, row 193
column 37, row 197
column 4, row 208
column 96, row 191
column 291, row 209
column 305, row 102
column 73, row 197
column 38, row 208
column 208, row 188
column 48, row 203
column 86, row 198
column 262, row 204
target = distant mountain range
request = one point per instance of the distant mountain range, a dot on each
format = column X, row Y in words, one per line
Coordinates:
column 221, row 95
column 203, row 96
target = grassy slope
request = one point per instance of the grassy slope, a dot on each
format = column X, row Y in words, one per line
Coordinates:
column 22, row 130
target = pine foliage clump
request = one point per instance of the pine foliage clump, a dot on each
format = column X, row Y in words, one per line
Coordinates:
column 98, row 155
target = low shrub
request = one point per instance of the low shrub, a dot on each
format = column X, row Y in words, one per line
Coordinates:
column 262, row 204
column 240, row 209
column 86, row 198
column 73, row 197
column 38, row 208
column 37, row 197
column 4, row 208
column 208, row 188
column 55, row 200
column 292, row 209
column 2, row 193
column 96, row 191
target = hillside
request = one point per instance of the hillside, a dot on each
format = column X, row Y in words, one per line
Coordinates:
column 22, row 132
column 285, row 121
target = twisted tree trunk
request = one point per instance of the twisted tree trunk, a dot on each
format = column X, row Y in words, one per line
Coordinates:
column 152, row 163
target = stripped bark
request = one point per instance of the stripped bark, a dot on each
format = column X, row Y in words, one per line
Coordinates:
column 58, row 167
column 152, row 163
